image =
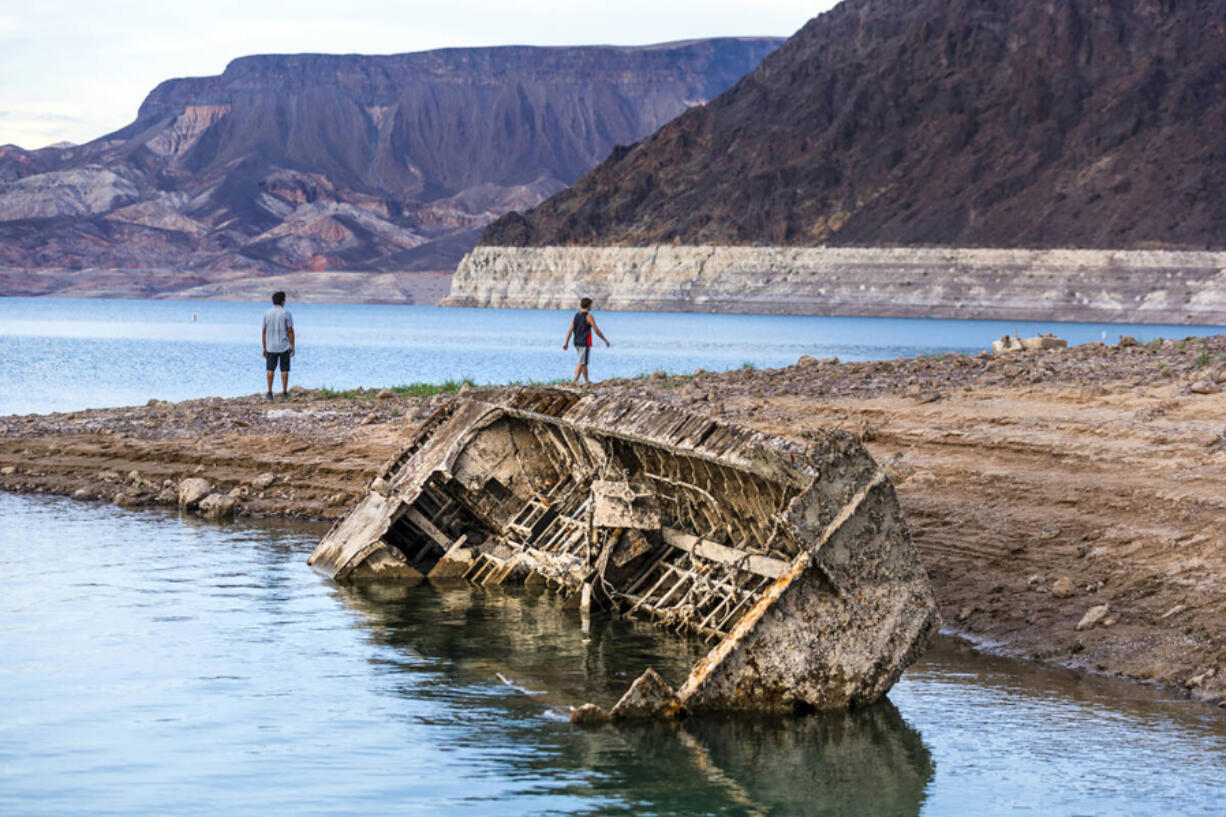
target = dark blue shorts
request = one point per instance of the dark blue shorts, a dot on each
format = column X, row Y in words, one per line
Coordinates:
column 273, row 357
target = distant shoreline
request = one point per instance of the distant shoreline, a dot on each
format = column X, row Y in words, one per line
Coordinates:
column 328, row 286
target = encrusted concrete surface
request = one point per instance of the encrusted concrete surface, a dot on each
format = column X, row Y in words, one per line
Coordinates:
column 791, row 557
column 1128, row 286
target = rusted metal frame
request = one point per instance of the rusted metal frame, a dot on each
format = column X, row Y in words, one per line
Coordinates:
column 684, row 574
column 664, row 574
column 737, row 597
column 664, row 552
column 750, row 597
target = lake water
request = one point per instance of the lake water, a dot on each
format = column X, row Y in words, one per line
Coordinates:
column 153, row 665
column 59, row 354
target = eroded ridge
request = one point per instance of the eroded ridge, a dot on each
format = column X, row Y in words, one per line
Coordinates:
column 792, row 557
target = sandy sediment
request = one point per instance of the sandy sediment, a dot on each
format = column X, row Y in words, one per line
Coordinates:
column 1068, row 504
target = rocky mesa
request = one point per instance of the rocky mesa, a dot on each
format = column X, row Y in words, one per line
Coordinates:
column 311, row 162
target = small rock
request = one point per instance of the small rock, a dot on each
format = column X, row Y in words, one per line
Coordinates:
column 1174, row 611
column 153, row 401
column 659, row 374
column 369, row 419
column 1128, row 340
column 336, row 499
column 126, row 500
column 1203, row 387
column 192, row 491
column 1063, row 588
column 134, row 477
column 1093, row 617
column 1048, row 533
column 1034, row 581
column 8, row 471
column 965, row 613
column 1200, row 680
column 589, row 715
column 239, row 492
column 109, row 476
column 81, row 493
column 167, row 496
column 385, row 394
column 264, row 480
column 928, row 397
column 217, row 506
column 806, row 360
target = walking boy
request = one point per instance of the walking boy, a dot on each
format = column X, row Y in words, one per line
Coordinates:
column 581, row 327
column 277, row 337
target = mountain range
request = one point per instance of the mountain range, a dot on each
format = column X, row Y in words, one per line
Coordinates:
column 350, row 162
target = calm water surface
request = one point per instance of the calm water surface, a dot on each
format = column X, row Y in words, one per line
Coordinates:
column 59, row 354
column 159, row 666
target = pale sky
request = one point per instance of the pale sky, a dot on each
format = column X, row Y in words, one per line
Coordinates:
column 74, row 70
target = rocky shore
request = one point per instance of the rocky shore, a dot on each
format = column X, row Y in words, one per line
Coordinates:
column 1068, row 504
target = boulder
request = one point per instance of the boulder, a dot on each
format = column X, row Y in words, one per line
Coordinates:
column 191, row 491
column 217, row 506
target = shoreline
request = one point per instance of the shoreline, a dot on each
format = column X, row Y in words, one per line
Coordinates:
column 1039, row 486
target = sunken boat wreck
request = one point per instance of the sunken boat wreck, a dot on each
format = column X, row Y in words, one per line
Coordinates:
column 791, row 556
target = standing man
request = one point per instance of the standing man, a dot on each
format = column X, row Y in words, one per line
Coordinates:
column 277, row 338
column 581, row 327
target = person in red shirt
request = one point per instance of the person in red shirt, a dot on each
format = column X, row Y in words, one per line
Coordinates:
column 581, row 328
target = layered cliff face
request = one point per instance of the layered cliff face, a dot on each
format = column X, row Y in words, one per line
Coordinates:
column 991, row 123
column 1129, row 286
column 311, row 162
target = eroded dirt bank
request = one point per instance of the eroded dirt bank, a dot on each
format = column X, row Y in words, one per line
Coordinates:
column 1047, row 490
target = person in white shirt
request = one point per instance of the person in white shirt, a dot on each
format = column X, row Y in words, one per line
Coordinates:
column 277, row 338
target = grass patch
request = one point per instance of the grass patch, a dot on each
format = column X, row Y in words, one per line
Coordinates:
column 403, row 390
column 1203, row 358
column 1155, row 344
column 748, row 366
column 431, row 389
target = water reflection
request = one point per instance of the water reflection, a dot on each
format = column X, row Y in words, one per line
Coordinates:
column 868, row 762
column 153, row 665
